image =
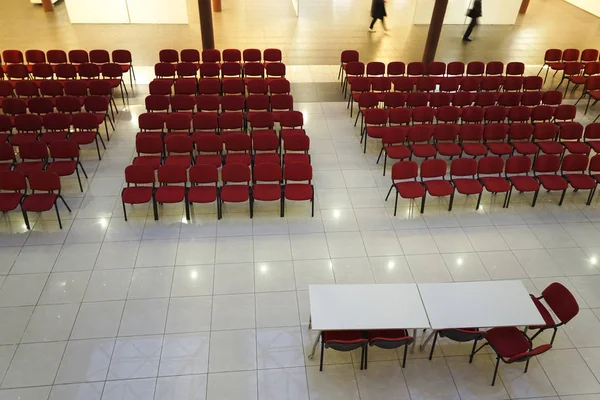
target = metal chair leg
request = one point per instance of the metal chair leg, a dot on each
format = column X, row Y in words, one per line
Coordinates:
column 496, row 370
column 435, row 336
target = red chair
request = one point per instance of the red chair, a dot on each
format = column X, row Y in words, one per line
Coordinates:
column 552, row 56
column 158, row 86
column 125, row 62
column 565, row 113
column 495, row 114
column 48, row 183
column 426, row 84
column 460, row 335
column 396, row 68
column 281, row 103
column 591, row 136
column 489, row 171
column 56, row 56
column 77, row 57
column 26, row 89
column 552, row 98
column 204, row 180
column 511, row 346
column 7, row 153
column 172, row 186
column 253, row 70
column 417, row 99
column 545, row 135
column 191, row 56
column 445, row 136
column 462, row 175
column 365, row 102
column 492, row 84
column 178, row 124
column 209, row 70
column 137, row 175
column 462, row 99
column 475, row 68
column 99, row 56
column 273, row 56
column 569, row 55
column 266, row 184
column 561, row 302
column 423, row 115
column 542, row 113
column 251, row 56
column 205, row 122
column 257, row 109
column 185, row 86
column 513, row 84
column 415, row 70
column 68, row 104
column 179, row 151
column 231, row 123
column 594, row 167
column 419, row 141
column 533, row 83
column 211, row 55
column 291, row 123
column 346, row 57
column 494, row 68
column 375, row 125
column 27, row 127
column 275, row 70
column 231, row 70
column 17, row 73
column 471, row 140
column 12, row 57
column 295, row 149
column 531, row 99
column 343, row 341
column 236, row 184
column 404, row 180
column 237, row 149
column 354, row 69
column 515, row 68
column 65, row 160
column 571, row 70
column 381, row 86
column 297, row 184
column 187, row 71
column 181, row 103
column 57, row 127
column 545, row 169
column 433, row 177
column 86, row 131
column 403, row 84
column 437, row 70
column 40, row 105
column 400, row 116
column 13, row 188
column 592, row 90
column 168, row 56
column 234, row 87
column 450, row 84
column 448, row 115
column 589, row 69
column 98, row 106
column 265, row 149
column 358, row 86
column 440, row 99
column 455, row 68
column 570, row 136
column 573, row 169
column 258, row 86
column 157, row 104
column 495, row 137
column 149, row 151
column 517, row 173
column 209, row 147
column 114, row 74
column 393, row 145
column 152, row 124
column 389, row 339
column 279, row 86
column 207, row 104
column 472, row 115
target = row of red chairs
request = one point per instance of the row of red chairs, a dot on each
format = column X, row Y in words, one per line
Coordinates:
column 555, row 59
column 469, row 177
column 208, row 103
column 213, row 86
column 578, row 73
column 83, row 128
column 213, row 149
column 236, row 185
column 475, row 140
column 64, row 158
column 228, row 70
column 591, row 88
column 460, row 99
column 45, row 193
column 76, row 57
column 214, row 55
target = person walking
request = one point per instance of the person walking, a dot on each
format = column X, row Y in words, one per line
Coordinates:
column 378, row 12
column 474, row 13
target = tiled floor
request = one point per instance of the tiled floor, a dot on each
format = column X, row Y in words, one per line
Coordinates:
column 323, row 29
column 218, row 310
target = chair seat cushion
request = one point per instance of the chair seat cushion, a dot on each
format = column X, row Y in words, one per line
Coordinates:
column 577, row 147
column 296, row 158
column 49, row 137
column 235, row 193
column 83, row 137
column 553, row 182
column 150, row 161
column 423, row 150
column 169, row 194
column 551, row 147
column 556, row 65
column 238, row 158
column 267, row 158
column 449, row 149
column 525, row 147
column 467, row 185
column 580, row 181
column 500, row 148
column 507, row 341
column 266, row 191
column 62, row 168
column 183, row 160
column 202, row 194
column 22, row 138
column 524, row 183
column 474, row 149
column 39, row 202
column 137, row 194
column 397, row 152
column 298, row 191
column 439, row 187
column 410, row 190
column 28, row 167
column 9, row 201
column 495, row 184
column 595, row 145
column 210, row 159
column 377, row 131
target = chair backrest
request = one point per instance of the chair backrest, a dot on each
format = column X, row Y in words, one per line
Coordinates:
column 462, row 335
column 56, row 56
column 42, row 70
column 148, row 144
column 475, row 68
column 296, row 143
column 205, row 121
column 239, row 142
column 12, row 56
column 172, row 174
column 291, row 119
column 235, row 173
column 274, row 55
column 461, row 167
column 12, row 180
column 396, row 68
column 78, row 56
column 28, row 123
column 51, row 87
column 421, row 133
column 56, row 122
column 471, row 133
column 552, row 55
column 495, row 131
column 533, row 83
column 267, row 172
column 403, row 170
column 85, row 121
column 446, row 132
column 64, row 149
column 204, row 173
column 151, row 121
column 35, row 56
column 268, row 142
column 158, row 86
column 190, row 55
column 139, row 174
column 208, row 142
column 179, row 144
column 251, row 55
column 490, row 165
column 455, row 68
column 415, row 68
column 348, row 56
column 494, row 68
column 375, row 68
column 180, row 122
column 592, row 131
column 515, row 68
column 546, row 163
column 297, row 172
column 168, row 56
column 211, row 55
column 46, row 181
column 570, row 131
column 570, row 55
column 561, row 301
column 99, row 56
column 574, row 163
column 433, row 168
column 518, row 165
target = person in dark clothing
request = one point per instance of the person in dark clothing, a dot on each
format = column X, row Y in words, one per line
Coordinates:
column 378, row 12
column 474, row 13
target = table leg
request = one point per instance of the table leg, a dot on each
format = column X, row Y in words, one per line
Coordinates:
column 314, row 346
column 424, row 343
column 412, row 346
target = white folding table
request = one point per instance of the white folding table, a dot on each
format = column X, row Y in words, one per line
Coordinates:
column 478, row 305
column 365, row 307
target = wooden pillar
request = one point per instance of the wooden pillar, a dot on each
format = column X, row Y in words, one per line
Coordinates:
column 48, row 6
column 435, row 29
column 524, row 5
column 206, row 24
column 216, row 5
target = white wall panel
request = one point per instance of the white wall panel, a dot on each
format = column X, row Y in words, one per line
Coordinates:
column 591, row 6
column 97, row 11
column 158, row 11
column 455, row 13
column 501, row 12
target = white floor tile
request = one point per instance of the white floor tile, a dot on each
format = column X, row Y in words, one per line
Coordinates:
column 65, row 287
column 274, row 276
column 129, row 389
column 313, row 272
column 335, row 382
column 77, row 257
column 391, row 269
column 108, row 285
column 568, row 372
column 144, row 317
column 188, row 387
column 149, row 283
column 117, row 255
column 22, row 290
column 235, row 249
column 157, row 253
column 276, row 309
column 184, row 354
column 430, row 379
column 345, row 244
column 286, row 383
column 85, row 361
column 428, row 268
column 234, row 311
column 309, row 246
column 219, row 386
column 232, row 351
column 135, row 357
column 35, row 259
column 381, row 243
column 502, row 265
column 98, row 320
column 272, row 248
column 417, row 241
column 50, row 323
column 34, row 364
column 193, row 281
column 77, row 391
column 352, row 270
column 189, row 314
column 196, row 251
column 465, row 267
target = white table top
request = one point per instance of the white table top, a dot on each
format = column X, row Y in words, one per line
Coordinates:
column 478, row 304
column 363, row 307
